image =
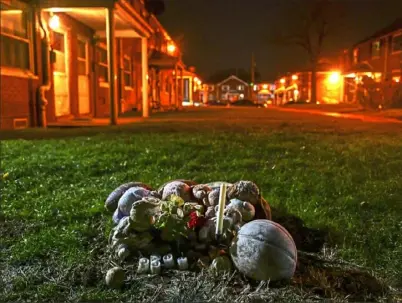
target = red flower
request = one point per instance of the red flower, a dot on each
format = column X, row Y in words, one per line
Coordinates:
column 195, row 221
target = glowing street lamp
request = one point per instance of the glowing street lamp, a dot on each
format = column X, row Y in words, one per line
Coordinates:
column 282, row 81
column 295, row 77
column 265, row 86
column 54, row 22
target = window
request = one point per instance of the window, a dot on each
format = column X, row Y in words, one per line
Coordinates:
column 103, row 71
column 376, row 49
column 397, row 43
column 82, row 58
column 58, row 47
column 356, row 55
column 14, row 41
column 128, row 72
column 240, row 87
column 225, row 87
column 211, row 88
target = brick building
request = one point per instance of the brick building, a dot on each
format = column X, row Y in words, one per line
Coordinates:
column 296, row 86
column 375, row 64
column 68, row 59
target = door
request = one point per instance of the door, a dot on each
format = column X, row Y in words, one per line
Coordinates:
column 60, row 75
column 83, row 77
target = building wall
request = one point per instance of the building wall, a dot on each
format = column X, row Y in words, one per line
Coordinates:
column 18, row 91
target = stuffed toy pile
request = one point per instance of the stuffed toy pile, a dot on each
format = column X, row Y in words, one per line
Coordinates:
column 174, row 227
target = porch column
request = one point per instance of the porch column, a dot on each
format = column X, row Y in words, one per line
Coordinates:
column 205, row 94
column 110, row 40
column 191, row 89
column 144, row 68
column 182, row 88
column 176, row 86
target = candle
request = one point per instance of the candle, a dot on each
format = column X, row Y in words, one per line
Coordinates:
column 143, row 266
column 221, row 208
column 155, row 267
column 155, row 258
column 168, row 261
column 182, row 263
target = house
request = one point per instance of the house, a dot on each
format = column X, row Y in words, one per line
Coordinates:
column 296, row 86
column 231, row 89
column 376, row 61
column 70, row 59
column 264, row 91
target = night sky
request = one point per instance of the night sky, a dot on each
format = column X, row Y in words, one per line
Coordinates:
column 221, row 34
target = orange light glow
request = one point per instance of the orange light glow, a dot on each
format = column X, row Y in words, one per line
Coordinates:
column 282, row 80
column 397, row 79
column 295, row 77
column 196, row 79
column 334, row 78
column 265, row 86
column 54, row 22
column 171, row 48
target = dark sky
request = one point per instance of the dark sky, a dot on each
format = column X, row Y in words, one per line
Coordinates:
column 220, row 34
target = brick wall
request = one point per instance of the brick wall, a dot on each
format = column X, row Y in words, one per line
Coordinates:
column 18, row 97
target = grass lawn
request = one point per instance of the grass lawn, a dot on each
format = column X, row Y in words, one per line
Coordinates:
column 339, row 176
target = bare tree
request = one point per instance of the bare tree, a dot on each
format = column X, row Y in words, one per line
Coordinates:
column 308, row 25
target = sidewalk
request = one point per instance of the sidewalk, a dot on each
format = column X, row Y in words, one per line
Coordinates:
column 374, row 117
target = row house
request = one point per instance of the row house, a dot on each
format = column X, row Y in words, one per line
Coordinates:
column 66, row 59
column 376, row 63
column 296, row 86
column 371, row 67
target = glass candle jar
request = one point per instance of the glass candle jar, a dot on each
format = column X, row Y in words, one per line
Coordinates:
column 155, row 267
column 168, row 261
column 182, row 263
column 143, row 266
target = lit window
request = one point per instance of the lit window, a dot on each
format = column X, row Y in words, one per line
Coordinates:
column 240, row 87
column 225, row 87
column 375, row 49
column 103, row 70
column 59, row 48
column 128, row 72
column 82, row 58
column 397, row 43
column 14, row 39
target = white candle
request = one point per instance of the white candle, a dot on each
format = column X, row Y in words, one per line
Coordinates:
column 155, row 258
column 182, row 263
column 155, row 267
column 221, row 208
column 143, row 266
column 168, row 261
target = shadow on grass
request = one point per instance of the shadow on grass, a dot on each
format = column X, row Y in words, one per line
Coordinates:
column 306, row 239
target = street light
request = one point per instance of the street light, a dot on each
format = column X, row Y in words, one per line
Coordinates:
column 282, row 81
column 295, row 77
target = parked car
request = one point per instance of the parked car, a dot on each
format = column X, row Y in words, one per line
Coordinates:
column 215, row 103
column 246, row 103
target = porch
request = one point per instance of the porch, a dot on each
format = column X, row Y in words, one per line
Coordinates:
column 112, row 21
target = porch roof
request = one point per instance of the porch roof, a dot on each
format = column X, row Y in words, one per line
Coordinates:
column 128, row 23
column 161, row 60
